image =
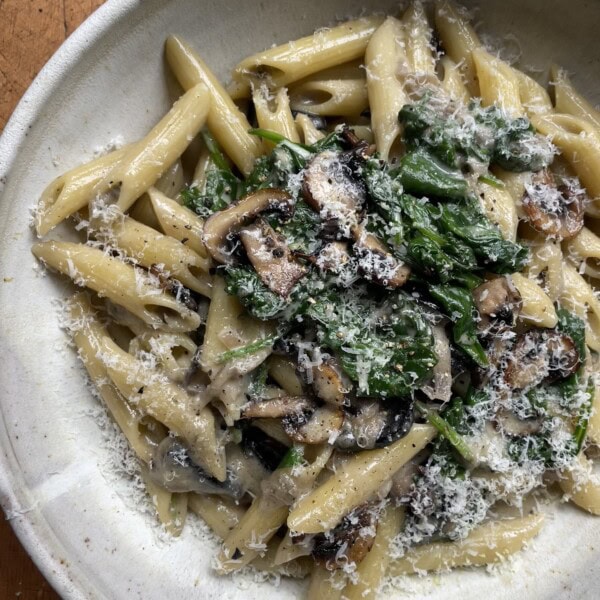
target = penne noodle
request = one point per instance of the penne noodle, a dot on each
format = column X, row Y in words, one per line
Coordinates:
column 584, row 251
column 152, row 249
column 220, row 514
column 225, row 121
column 326, row 584
column 372, row 569
column 453, row 82
column 537, row 308
column 152, row 394
column 331, row 97
column 534, row 98
column 384, row 57
column 72, row 191
column 593, row 430
column 283, row 371
column 498, row 84
column 500, row 209
column 170, row 508
column 149, row 159
column 581, row 485
column 310, row 134
column 579, row 297
column 569, row 101
column 275, row 113
column 546, row 267
column 489, row 543
column 174, row 352
column 459, row 41
column 179, row 222
column 123, row 284
column 419, row 47
column 126, row 417
column 361, row 477
column 300, row 58
column 579, row 142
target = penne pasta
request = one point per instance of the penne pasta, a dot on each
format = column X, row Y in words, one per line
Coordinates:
column 453, row 82
column 310, row 134
column 579, row 297
column 149, row 159
column 225, row 121
column 419, row 46
column 170, row 508
column 151, row 394
column 500, row 209
column 153, row 250
column 488, row 544
column 361, row 477
column 584, row 251
column 459, row 41
column 569, row 101
column 537, row 308
column 498, row 84
column 581, row 486
column 178, row 222
column 330, row 97
column 384, row 58
column 579, row 142
column 220, row 514
column 372, row 569
column 123, row 284
column 274, row 113
column 534, row 97
column 326, row 584
column 72, row 191
column 300, row 58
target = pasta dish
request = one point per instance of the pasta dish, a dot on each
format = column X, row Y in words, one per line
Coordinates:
column 346, row 308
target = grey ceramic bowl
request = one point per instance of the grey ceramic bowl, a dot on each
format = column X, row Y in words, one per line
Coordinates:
column 77, row 513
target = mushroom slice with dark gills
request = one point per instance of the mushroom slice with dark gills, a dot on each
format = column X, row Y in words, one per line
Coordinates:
column 172, row 468
column 319, row 426
column 223, row 225
column 541, row 355
column 349, row 542
column 332, row 190
column 330, row 383
column 271, row 258
column 373, row 423
column 498, row 302
column 375, row 261
column 555, row 209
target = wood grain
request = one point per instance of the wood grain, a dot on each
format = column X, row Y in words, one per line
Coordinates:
column 30, row 32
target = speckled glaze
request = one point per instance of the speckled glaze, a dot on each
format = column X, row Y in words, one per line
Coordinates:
column 78, row 518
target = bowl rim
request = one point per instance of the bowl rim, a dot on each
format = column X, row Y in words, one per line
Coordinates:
column 30, row 527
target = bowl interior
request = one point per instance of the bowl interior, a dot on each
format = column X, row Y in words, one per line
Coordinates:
column 65, row 478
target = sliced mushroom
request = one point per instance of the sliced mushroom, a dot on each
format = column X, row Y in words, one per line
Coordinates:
column 498, row 302
column 556, row 210
column 219, row 227
column 330, row 383
column 349, row 542
column 172, row 468
column 277, row 408
column 332, row 190
column 509, row 424
column 271, row 258
column 333, row 257
column 317, row 427
column 440, row 385
column 540, row 355
column 376, row 262
column 270, row 452
column 371, row 423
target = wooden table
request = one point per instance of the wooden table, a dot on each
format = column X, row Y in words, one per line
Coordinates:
column 30, row 32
